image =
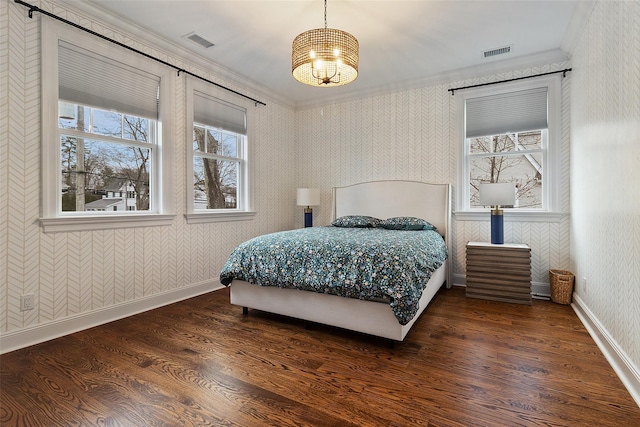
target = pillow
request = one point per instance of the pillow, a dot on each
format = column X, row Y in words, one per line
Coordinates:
column 405, row 223
column 356, row 221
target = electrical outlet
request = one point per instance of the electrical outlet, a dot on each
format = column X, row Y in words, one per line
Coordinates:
column 27, row 302
column 584, row 284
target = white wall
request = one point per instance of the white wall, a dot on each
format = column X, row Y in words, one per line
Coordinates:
column 84, row 277
column 407, row 134
column 411, row 135
column 605, row 174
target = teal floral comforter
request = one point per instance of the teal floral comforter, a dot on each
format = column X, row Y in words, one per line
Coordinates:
column 364, row 263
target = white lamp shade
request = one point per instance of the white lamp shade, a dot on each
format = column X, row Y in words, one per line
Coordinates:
column 308, row 197
column 497, row 194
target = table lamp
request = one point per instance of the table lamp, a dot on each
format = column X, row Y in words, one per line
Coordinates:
column 308, row 197
column 496, row 195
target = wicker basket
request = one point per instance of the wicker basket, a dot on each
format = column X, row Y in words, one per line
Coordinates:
column 561, row 283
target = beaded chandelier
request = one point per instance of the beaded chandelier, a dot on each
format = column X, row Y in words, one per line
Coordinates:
column 325, row 56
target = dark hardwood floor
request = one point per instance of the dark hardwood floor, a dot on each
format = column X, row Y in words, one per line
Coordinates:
column 201, row 362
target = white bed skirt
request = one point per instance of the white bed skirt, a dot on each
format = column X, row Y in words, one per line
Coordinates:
column 374, row 318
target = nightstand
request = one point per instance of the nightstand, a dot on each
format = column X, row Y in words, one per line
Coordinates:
column 499, row 272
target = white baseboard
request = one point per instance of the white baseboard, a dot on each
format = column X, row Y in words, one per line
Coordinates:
column 628, row 373
column 40, row 333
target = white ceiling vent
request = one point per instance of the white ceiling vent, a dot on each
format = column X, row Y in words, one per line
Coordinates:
column 198, row 39
column 497, row 51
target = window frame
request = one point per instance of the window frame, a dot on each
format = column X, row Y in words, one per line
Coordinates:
column 244, row 211
column 550, row 210
column 52, row 218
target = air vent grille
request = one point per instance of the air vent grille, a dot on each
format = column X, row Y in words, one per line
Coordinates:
column 497, row 51
column 200, row 40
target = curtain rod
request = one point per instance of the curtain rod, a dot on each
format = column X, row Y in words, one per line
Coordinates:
column 564, row 74
column 33, row 8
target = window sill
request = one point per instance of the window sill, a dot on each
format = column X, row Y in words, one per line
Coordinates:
column 89, row 223
column 511, row 216
column 205, row 217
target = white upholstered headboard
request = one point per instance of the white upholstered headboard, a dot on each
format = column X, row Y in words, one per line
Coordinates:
column 386, row 199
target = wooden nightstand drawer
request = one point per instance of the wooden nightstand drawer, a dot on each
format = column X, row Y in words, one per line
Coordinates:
column 499, row 272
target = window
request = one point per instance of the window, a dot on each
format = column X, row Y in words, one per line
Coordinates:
column 216, row 167
column 95, row 170
column 509, row 133
column 508, row 157
column 105, row 134
column 218, row 172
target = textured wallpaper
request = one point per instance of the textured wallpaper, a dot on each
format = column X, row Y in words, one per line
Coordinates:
column 411, row 135
column 605, row 172
column 82, row 272
column 402, row 135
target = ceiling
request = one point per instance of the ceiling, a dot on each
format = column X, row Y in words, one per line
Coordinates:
column 402, row 43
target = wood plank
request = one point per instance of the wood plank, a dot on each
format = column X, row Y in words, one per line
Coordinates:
column 466, row 362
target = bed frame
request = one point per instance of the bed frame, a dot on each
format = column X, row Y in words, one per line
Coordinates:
column 380, row 199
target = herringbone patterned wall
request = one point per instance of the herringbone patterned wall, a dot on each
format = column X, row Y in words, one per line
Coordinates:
column 411, row 135
column 403, row 135
column 82, row 272
column 605, row 173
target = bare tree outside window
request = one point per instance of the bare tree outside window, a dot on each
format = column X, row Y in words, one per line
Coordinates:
column 514, row 157
column 215, row 168
column 91, row 165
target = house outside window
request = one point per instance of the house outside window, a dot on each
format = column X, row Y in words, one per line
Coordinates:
column 95, row 168
column 510, row 133
column 218, row 170
column 106, row 134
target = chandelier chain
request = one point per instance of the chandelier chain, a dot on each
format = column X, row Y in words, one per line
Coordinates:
column 325, row 14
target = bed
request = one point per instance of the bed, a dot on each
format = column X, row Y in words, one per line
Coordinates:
column 378, row 199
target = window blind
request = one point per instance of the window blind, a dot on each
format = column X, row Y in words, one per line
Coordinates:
column 218, row 113
column 508, row 112
column 90, row 79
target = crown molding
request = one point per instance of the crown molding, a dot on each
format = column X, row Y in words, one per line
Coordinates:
column 244, row 84
column 216, row 71
column 579, row 19
column 553, row 56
